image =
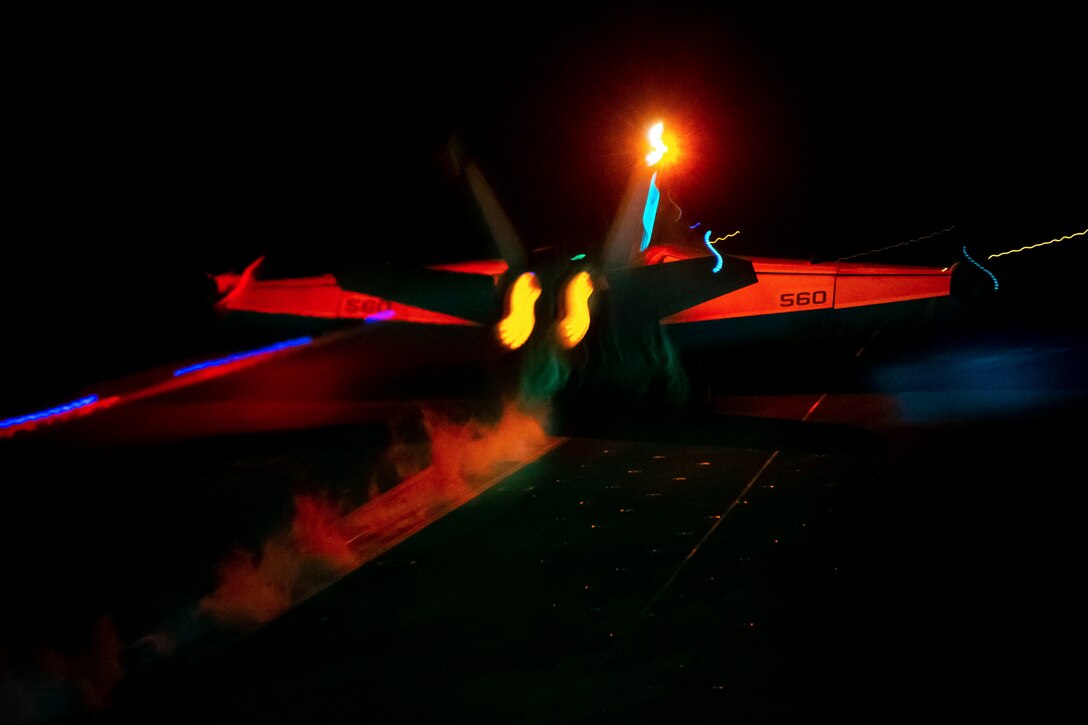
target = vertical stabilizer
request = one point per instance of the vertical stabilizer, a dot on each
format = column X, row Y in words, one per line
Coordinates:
column 633, row 226
column 507, row 241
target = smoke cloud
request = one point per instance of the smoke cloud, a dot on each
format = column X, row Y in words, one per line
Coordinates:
column 457, row 459
column 256, row 587
column 436, row 463
column 54, row 682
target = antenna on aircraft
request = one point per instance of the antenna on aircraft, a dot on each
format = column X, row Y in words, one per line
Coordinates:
column 633, row 226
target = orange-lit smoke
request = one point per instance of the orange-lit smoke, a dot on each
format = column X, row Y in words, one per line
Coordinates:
column 461, row 451
column 408, row 453
column 93, row 670
column 62, row 683
column 323, row 542
column 317, row 533
column 254, row 588
column 465, row 458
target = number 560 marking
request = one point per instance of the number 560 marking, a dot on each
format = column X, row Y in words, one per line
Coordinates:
column 801, row 299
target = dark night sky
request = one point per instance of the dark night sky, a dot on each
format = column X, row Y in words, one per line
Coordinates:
column 144, row 151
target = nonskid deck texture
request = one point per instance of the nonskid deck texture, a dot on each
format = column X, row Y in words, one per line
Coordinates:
column 838, row 552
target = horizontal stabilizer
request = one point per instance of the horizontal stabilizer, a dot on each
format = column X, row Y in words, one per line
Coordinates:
column 468, row 296
column 622, row 245
column 653, row 292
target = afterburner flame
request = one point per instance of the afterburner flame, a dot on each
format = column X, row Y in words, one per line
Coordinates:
column 574, row 323
column 514, row 329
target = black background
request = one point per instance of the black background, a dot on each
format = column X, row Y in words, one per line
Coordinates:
column 146, row 151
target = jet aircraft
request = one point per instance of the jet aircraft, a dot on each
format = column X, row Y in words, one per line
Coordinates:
column 536, row 325
column 654, row 290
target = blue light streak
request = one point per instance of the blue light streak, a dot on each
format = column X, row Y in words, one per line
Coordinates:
column 695, row 225
column 50, row 413
column 244, row 355
column 718, row 266
column 649, row 213
column 965, row 254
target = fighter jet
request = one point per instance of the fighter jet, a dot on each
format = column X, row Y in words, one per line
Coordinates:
column 610, row 324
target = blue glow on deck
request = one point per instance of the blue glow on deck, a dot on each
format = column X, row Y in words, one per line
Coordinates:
column 706, row 239
column 244, row 355
column 649, row 213
column 49, row 413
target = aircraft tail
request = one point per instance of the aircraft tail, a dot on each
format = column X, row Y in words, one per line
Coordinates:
column 230, row 286
column 648, row 288
column 508, row 245
column 465, row 295
column 448, row 290
column 633, row 226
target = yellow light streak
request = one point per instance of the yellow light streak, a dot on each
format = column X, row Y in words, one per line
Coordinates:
column 1040, row 244
column 514, row 329
column 574, row 323
column 727, row 236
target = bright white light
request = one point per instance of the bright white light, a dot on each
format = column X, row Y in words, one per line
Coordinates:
column 659, row 148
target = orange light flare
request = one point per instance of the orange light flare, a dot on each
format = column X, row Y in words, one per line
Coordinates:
column 658, row 149
column 683, row 164
column 664, row 146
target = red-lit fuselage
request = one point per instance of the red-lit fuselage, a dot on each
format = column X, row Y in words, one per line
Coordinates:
column 397, row 354
column 366, row 373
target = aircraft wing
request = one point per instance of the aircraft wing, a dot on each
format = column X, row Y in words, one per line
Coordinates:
column 453, row 295
column 659, row 291
column 461, row 295
column 634, row 285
